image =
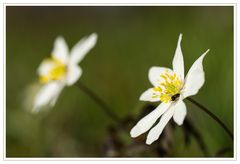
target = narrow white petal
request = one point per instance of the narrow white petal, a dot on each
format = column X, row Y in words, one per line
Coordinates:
column 82, row 48
column 46, row 95
column 148, row 95
column 155, row 132
column 178, row 62
column 180, row 112
column 57, row 94
column 60, row 50
column 146, row 122
column 74, row 73
column 154, row 74
column 195, row 78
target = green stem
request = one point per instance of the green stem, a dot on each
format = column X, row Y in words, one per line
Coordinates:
column 103, row 106
column 212, row 115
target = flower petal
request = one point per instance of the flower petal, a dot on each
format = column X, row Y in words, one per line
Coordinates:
column 148, row 96
column 195, row 78
column 47, row 94
column 180, row 112
column 154, row 74
column 60, row 50
column 74, row 73
column 155, row 132
column 178, row 63
column 146, row 122
column 82, row 48
column 44, row 67
column 57, row 93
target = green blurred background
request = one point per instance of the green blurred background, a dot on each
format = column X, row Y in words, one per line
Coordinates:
column 131, row 40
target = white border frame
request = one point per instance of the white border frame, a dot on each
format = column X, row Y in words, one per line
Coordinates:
column 119, row 4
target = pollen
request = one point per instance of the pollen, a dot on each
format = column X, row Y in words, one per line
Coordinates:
column 169, row 85
column 57, row 70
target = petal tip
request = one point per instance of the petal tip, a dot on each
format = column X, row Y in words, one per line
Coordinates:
column 94, row 37
column 94, row 34
column 149, row 142
column 36, row 108
column 180, row 37
column 59, row 38
column 179, row 123
column 135, row 132
column 142, row 98
column 205, row 53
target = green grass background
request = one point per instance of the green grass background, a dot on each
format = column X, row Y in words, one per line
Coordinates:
column 131, row 40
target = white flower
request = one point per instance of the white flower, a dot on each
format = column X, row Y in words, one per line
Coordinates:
column 61, row 69
column 169, row 87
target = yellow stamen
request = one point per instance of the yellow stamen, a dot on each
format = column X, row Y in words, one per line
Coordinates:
column 57, row 71
column 168, row 88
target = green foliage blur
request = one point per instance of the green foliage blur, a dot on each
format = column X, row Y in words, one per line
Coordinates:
column 131, row 40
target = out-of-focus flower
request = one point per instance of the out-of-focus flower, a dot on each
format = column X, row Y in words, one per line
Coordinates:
column 169, row 87
column 61, row 70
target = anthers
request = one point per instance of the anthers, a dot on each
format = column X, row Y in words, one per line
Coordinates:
column 56, row 71
column 169, row 87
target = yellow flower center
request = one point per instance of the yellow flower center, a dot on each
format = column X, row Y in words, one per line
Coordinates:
column 169, row 88
column 56, row 71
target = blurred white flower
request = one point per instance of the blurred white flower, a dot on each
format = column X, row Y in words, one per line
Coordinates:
column 61, row 70
column 169, row 87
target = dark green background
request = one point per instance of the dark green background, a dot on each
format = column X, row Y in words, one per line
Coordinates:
column 131, row 40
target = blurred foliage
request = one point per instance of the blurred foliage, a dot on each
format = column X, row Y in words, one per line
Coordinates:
column 131, row 40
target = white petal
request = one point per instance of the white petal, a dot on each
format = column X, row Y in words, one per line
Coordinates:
column 148, row 95
column 178, row 63
column 57, row 93
column 74, row 73
column 180, row 112
column 44, row 67
column 60, row 50
column 47, row 94
column 195, row 78
column 155, row 132
column 154, row 74
column 146, row 122
column 82, row 48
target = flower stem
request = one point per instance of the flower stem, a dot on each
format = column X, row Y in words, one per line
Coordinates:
column 212, row 115
column 105, row 108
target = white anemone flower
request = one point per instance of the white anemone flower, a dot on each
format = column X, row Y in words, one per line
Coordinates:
column 61, row 70
column 170, row 87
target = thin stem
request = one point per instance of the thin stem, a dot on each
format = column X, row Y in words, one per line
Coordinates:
column 212, row 115
column 105, row 108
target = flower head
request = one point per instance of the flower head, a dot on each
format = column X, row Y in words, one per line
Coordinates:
column 170, row 87
column 61, row 69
